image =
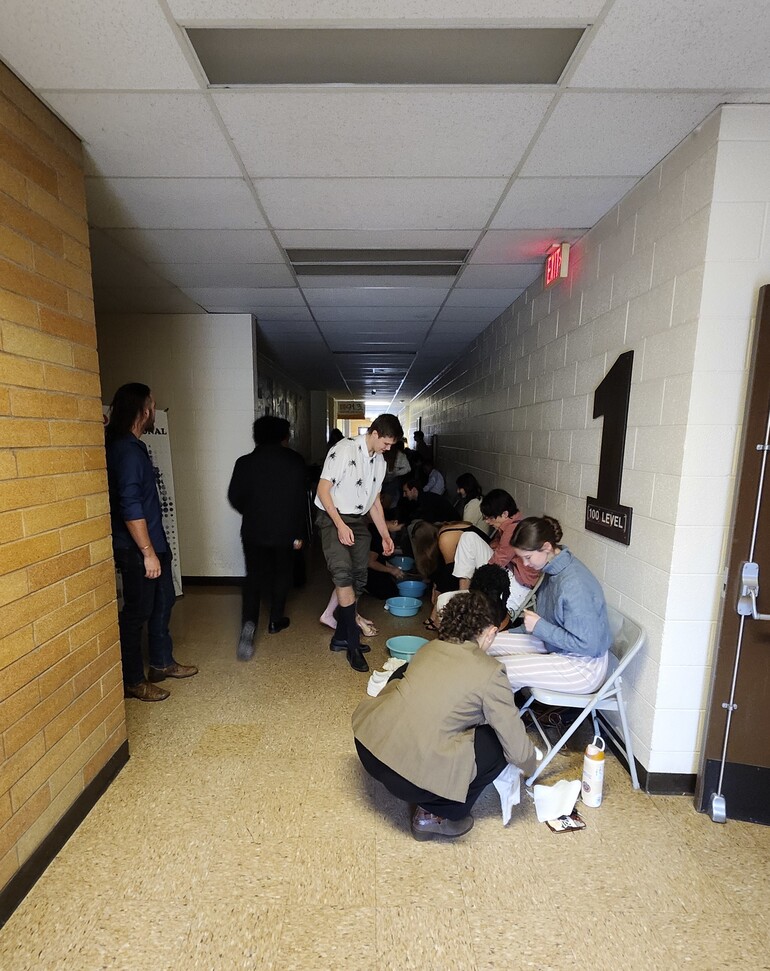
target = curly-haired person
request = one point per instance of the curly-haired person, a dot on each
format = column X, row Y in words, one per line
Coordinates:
column 437, row 736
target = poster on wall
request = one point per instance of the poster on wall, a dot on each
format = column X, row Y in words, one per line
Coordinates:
column 159, row 449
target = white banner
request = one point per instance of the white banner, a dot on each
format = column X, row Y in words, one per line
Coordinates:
column 159, row 447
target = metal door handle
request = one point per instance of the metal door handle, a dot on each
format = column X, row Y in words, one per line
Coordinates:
column 747, row 601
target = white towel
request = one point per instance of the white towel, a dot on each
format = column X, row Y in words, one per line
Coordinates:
column 508, row 785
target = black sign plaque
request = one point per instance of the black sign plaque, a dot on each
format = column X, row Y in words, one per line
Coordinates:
column 614, row 522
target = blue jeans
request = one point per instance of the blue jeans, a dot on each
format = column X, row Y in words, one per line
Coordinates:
column 144, row 602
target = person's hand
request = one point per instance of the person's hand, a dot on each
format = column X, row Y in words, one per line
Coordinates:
column 151, row 565
column 530, row 619
column 387, row 546
column 297, row 544
column 345, row 535
column 397, row 572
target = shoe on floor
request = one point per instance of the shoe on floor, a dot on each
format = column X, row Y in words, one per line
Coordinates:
column 275, row 626
column 426, row 826
column 356, row 660
column 340, row 645
column 245, row 649
column 172, row 671
column 145, row 691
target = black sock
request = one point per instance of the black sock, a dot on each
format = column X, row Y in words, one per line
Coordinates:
column 348, row 628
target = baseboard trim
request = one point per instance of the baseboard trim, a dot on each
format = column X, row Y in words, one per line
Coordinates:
column 655, row 783
column 32, row 869
column 746, row 791
column 213, row 581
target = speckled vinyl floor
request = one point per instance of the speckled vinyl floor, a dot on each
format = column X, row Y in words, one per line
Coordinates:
column 242, row 834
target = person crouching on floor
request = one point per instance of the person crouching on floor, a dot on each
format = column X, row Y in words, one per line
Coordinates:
column 438, row 735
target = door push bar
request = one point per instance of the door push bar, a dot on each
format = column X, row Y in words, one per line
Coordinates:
column 747, row 601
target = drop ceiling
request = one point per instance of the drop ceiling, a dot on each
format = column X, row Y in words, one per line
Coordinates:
column 201, row 195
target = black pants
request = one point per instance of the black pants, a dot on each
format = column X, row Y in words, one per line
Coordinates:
column 490, row 762
column 270, row 571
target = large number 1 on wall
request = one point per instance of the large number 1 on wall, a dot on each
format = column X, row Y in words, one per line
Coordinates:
column 611, row 402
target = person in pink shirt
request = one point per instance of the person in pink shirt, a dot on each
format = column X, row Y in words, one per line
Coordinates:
column 499, row 510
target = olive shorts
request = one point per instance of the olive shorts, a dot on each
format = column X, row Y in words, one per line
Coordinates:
column 348, row 565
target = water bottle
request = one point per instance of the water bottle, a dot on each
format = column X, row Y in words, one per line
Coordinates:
column 593, row 773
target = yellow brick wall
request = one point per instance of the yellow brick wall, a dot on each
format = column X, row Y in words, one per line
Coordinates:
column 61, row 699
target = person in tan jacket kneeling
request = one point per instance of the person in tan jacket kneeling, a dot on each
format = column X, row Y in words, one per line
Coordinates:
column 438, row 735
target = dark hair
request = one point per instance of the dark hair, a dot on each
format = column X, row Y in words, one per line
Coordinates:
column 419, row 436
column 495, row 583
column 470, row 486
column 533, row 531
column 335, row 435
column 271, row 430
column 425, row 548
column 411, row 483
column 129, row 402
column 465, row 617
column 498, row 501
column 387, row 426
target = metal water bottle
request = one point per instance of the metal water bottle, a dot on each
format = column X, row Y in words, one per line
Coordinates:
column 593, row 773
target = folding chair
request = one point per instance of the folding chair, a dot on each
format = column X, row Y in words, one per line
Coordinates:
column 628, row 639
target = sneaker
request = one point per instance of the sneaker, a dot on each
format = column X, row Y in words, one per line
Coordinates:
column 246, row 641
column 173, row 670
column 145, row 691
column 426, row 826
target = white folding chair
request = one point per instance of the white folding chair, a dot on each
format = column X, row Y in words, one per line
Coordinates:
column 628, row 639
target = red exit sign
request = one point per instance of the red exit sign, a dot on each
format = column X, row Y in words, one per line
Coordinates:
column 556, row 264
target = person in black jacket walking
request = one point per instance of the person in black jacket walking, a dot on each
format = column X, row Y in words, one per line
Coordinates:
column 268, row 489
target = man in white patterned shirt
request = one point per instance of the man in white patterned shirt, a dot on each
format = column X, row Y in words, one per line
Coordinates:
column 349, row 488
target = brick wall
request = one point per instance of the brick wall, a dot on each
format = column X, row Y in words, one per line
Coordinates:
column 61, row 702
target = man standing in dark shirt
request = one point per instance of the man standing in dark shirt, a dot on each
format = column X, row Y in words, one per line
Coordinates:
column 268, row 488
column 140, row 548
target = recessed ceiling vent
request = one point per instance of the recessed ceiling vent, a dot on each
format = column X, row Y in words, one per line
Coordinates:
column 232, row 56
column 377, row 262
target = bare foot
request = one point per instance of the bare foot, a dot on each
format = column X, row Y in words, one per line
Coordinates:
column 327, row 617
column 367, row 627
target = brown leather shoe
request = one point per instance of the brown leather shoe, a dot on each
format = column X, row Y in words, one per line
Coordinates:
column 172, row 671
column 145, row 691
column 426, row 826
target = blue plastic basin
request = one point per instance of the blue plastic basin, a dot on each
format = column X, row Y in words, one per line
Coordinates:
column 402, row 562
column 403, row 606
column 405, row 646
column 412, row 588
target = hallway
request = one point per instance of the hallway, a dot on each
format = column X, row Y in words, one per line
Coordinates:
column 243, row 834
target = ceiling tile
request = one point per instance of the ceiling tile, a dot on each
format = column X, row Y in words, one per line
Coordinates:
column 599, row 134
column 502, row 277
column 200, row 245
column 172, row 204
column 379, row 203
column 241, row 275
column 268, row 311
column 687, row 44
column 247, row 297
column 93, row 44
column 355, row 314
column 475, row 315
column 499, row 299
column 114, row 265
column 158, row 134
column 375, row 297
column 377, row 239
column 156, row 300
column 212, row 11
column 532, row 203
column 396, row 132
column 521, row 245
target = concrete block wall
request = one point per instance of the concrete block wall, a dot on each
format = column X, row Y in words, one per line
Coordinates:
column 61, row 697
column 517, row 409
column 201, row 367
